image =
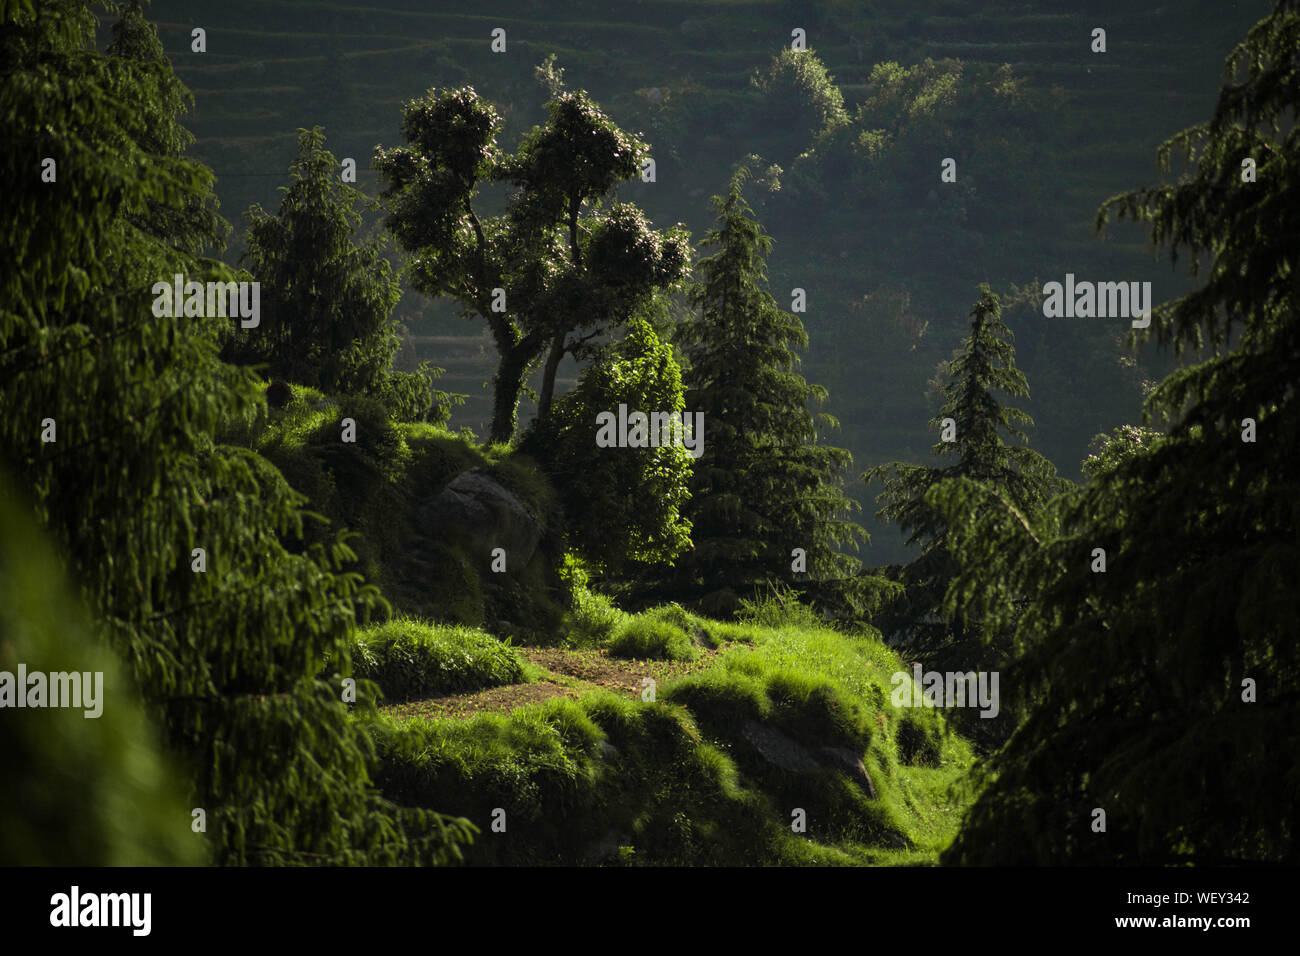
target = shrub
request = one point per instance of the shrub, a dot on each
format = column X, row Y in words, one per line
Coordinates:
column 593, row 620
column 647, row 638
column 409, row 659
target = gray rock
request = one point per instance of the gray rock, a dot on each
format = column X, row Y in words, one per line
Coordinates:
column 480, row 512
column 776, row 748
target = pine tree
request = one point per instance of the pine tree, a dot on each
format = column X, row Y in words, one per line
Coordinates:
column 765, row 485
column 327, row 302
column 971, row 423
column 1164, row 691
column 109, row 425
column 138, row 62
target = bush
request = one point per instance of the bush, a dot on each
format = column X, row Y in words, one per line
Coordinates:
column 647, row 638
column 622, row 506
column 593, row 620
column 409, row 659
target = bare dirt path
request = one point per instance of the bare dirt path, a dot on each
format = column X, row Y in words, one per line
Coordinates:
column 568, row 673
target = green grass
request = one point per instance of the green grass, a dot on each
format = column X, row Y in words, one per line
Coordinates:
column 593, row 619
column 680, row 780
column 642, row 638
column 821, row 688
column 410, row 659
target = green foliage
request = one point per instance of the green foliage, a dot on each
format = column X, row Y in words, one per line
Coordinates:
column 605, row 779
column 80, row 791
column 326, row 301
column 799, row 96
column 983, row 365
column 592, row 620
column 225, row 659
column 804, row 706
column 982, row 114
column 778, row 608
column 1109, row 451
column 577, row 780
column 565, row 265
column 381, row 486
column 805, row 689
column 410, row 659
column 622, row 506
column 138, row 62
column 641, row 639
column 765, row 484
column 1132, row 685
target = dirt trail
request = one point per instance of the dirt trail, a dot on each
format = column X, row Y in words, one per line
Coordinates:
column 569, row 673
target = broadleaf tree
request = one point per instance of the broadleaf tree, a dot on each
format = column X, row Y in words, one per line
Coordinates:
column 561, row 265
column 623, row 505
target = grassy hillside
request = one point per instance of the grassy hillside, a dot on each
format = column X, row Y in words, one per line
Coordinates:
column 605, row 737
column 780, row 747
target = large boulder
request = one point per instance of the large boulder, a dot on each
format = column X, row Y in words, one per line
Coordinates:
column 788, row 754
column 481, row 514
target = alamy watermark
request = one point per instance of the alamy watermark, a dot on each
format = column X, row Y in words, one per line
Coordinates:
column 1102, row 300
column 241, row 300
column 656, row 430
column 58, row 689
column 75, row 908
column 946, row 689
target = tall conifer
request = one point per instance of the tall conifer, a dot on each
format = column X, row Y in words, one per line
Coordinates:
column 110, row 413
column 1164, row 691
column 765, row 485
column 971, row 426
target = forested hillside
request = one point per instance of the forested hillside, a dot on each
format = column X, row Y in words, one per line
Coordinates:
column 1042, row 129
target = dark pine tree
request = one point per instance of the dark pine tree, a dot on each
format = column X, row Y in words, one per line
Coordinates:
column 326, row 301
column 971, row 424
column 177, row 542
column 765, row 485
column 1166, row 690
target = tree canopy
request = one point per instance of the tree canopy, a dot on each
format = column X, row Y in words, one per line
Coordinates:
column 178, row 543
column 558, row 261
column 327, row 302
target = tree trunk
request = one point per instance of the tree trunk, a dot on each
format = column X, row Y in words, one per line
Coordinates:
column 506, row 386
column 548, row 377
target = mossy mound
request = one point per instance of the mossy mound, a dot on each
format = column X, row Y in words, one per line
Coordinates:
column 382, row 486
column 411, row 659
column 786, row 751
